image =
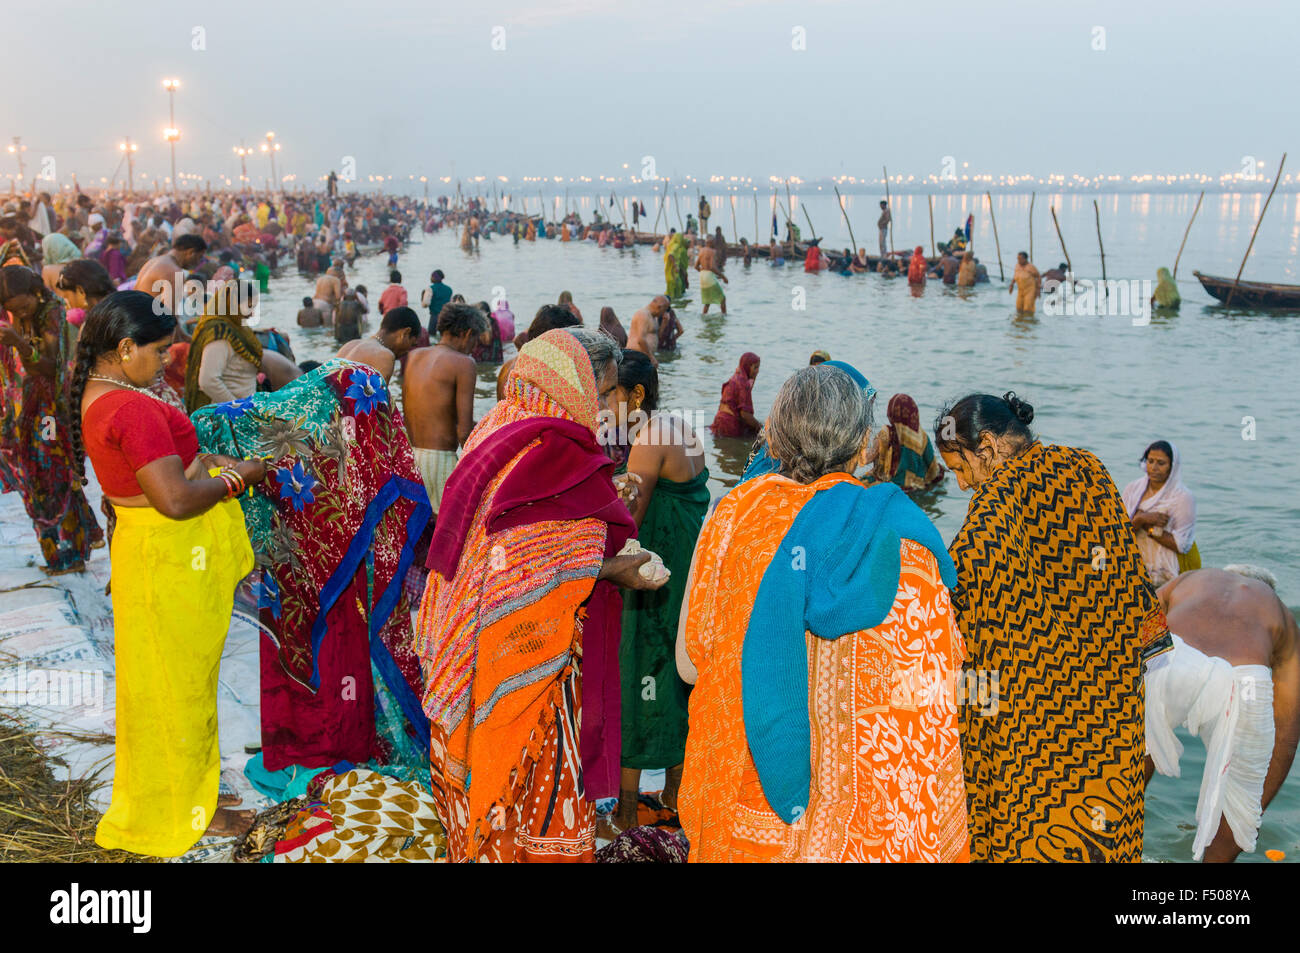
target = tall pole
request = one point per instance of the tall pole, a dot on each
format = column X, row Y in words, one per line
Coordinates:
column 891, row 210
column 1068, row 266
column 1187, row 232
column 930, row 201
column 840, row 199
column 172, row 133
column 997, row 244
column 1032, row 196
column 1277, row 177
column 129, row 148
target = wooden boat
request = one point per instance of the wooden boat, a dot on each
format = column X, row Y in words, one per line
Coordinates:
column 1251, row 294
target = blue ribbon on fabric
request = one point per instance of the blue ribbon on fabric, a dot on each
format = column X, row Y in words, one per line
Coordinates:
column 334, row 587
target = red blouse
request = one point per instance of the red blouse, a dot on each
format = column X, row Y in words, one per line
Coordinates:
column 124, row 430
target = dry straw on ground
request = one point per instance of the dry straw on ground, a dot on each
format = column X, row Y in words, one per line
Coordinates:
column 42, row 819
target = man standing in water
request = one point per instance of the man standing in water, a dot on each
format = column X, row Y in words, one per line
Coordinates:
column 1025, row 284
column 643, row 332
column 438, row 395
column 1234, row 679
column 396, row 336
column 434, row 297
column 164, row 277
column 882, row 223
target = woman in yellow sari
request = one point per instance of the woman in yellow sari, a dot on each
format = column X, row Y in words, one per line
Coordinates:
column 1058, row 619
column 179, row 550
column 818, row 634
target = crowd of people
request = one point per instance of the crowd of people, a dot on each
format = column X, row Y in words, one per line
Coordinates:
column 535, row 608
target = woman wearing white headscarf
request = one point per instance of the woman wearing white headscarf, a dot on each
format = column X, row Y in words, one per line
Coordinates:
column 1163, row 513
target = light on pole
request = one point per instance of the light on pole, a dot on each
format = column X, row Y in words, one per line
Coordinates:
column 271, row 147
column 17, row 150
column 243, row 154
column 171, row 133
column 129, row 148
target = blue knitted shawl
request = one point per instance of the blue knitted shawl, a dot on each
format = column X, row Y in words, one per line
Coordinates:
column 835, row 572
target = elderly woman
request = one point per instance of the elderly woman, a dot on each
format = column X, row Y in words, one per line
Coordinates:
column 36, row 356
column 801, row 633
column 1163, row 513
column 519, row 627
column 1058, row 618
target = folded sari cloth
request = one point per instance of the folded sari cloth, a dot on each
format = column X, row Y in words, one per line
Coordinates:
column 1053, row 601
column 517, row 637
column 333, row 528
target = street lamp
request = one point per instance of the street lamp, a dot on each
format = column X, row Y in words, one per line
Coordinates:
column 129, row 148
column 17, row 150
column 171, row 133
column 271, row 147
column 243, row 153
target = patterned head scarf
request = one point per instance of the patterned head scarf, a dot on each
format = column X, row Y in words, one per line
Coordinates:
column 557, row 365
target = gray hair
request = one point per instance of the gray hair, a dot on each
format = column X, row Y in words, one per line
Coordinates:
column 818, row 423
column 602, row 349
column 1253, row 572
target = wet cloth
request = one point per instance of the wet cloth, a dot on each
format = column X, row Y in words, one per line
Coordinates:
column 1231, row 709
column 435, row 467
column 654, row 695
column 36, row 449
column 518, row 639
column 711, row 290
column 1052, row 601
column 907, row 459
column 168, row 635
column 333, row 527
column 883, row 734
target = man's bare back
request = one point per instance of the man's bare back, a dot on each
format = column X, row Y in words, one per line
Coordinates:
column 643, row 334
column 370, row 352
column 438, row 397
column 163, row 277
column 1229, row 616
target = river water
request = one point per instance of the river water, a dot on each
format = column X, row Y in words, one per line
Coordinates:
column 1219, row 383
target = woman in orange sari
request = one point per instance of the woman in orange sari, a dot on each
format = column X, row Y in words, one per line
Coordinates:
column 818, row 634
column 518, row 630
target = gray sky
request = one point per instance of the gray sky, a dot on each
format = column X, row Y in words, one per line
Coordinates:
column 584, row 86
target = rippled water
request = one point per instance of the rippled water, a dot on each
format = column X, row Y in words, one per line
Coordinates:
column 1095, row 382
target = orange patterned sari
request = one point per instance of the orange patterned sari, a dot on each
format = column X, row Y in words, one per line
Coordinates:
column 886, row 765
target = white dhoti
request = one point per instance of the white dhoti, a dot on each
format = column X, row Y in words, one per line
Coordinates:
column 1231, row 709
column 435, row 467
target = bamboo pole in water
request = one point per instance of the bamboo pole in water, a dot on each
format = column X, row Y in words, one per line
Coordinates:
column 1097, row 212
column 757, row 234
column 930, row 201
column 734, row 229
column 1277, row 177
column 1002, row 275
column 789, row 212
column 846, row 220
column 1068, row 267
column 1187, row 232
column 1032, row 196
column 678, row 210
column 891, row 210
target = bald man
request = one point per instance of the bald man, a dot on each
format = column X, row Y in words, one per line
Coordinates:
column 1234, row 679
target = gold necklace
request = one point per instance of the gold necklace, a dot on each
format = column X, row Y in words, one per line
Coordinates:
column 138, row 390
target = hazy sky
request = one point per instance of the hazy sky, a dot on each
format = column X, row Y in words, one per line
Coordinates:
column 584, row 86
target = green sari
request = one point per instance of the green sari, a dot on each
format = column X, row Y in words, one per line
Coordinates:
column 654, row 696
column 1166, row 294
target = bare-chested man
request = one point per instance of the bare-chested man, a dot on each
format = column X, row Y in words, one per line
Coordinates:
column 1234, row 679
column 163, row 277
column 438, row 395
column 396, row 336
column 329, row 292
column 643, row 332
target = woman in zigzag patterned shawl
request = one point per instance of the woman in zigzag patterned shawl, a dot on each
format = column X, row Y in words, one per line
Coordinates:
column 1058, row 618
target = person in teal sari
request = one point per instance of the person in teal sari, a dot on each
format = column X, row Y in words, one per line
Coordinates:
column 666, row 466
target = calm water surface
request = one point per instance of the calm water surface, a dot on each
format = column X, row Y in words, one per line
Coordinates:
column 1095, row 382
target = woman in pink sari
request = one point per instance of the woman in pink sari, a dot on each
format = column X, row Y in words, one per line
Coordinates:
column 735, row 417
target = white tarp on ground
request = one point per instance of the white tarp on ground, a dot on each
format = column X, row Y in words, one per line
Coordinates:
column 57, row 667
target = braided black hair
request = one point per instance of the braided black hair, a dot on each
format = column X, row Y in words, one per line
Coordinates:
column 123, row 315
